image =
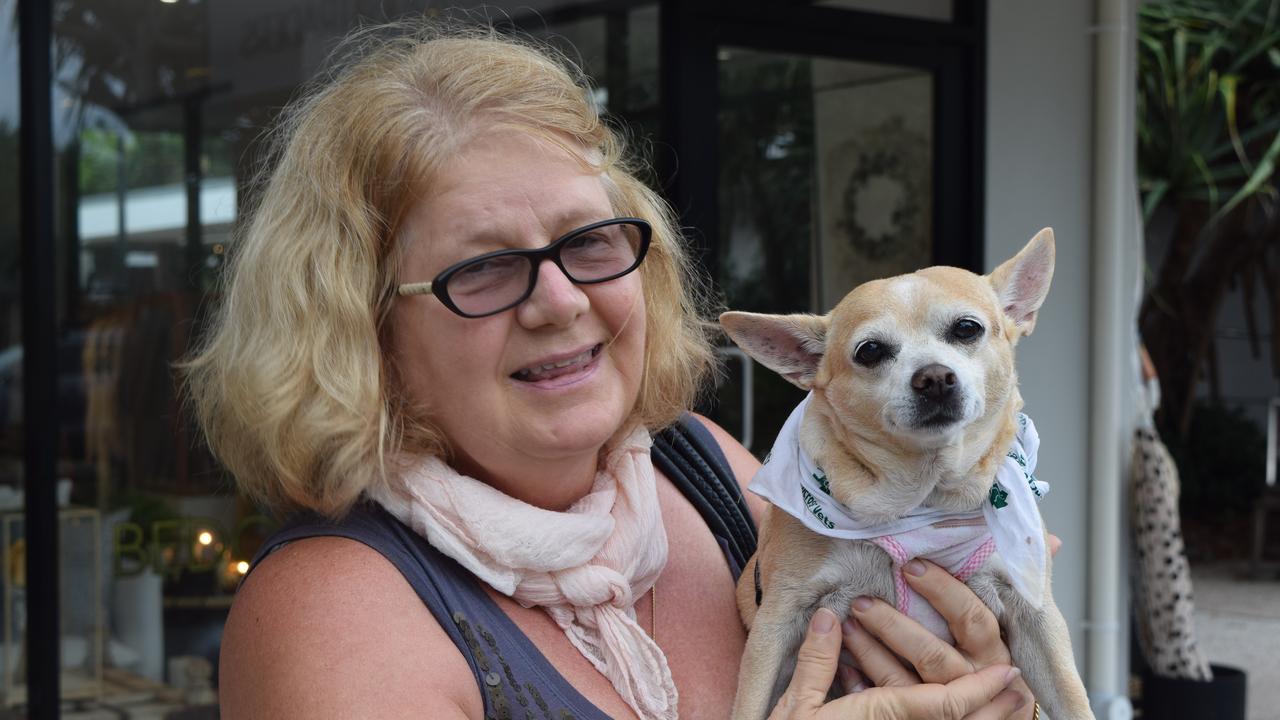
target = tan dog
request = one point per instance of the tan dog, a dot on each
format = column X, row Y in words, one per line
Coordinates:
column 913, row 406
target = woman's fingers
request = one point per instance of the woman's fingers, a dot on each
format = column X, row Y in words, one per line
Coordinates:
column 852, row 679
column 965, row 695
column 1002, row 706
column 850, row 676
column 933, row 659
column 959, row 699
column 971, row 621
column 878, row 665
column 815, row 668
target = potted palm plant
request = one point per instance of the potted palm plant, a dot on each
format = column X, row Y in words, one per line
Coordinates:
column 1208, row 139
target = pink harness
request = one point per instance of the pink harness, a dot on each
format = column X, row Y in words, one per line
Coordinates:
column 961, row 547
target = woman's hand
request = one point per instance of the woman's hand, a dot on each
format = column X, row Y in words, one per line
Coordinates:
column 978, row 641
column 981, row 695
column 974, row 626
column 971, row 681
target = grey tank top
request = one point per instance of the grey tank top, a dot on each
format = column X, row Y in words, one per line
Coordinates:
column 516, row 681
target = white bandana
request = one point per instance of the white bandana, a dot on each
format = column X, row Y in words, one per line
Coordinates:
column 791, row 481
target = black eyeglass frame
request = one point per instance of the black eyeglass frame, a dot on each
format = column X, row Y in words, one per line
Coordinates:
column 439, row 286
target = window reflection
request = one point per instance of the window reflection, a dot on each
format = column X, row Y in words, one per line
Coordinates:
column 12, row 548
column 826, row 173
column 159, row 108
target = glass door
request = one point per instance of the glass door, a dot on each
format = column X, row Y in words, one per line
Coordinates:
column 162, row 112
column 826, row 181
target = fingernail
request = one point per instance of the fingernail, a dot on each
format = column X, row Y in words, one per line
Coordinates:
column 1011, row 675
column 823, row 621
column 849, row 627
column 915, row 567
column 862, row 603
column 1022, row 702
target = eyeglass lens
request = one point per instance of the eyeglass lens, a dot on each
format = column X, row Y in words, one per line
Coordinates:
column 490, row 284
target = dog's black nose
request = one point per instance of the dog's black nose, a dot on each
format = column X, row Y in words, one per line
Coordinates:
column 935, row 382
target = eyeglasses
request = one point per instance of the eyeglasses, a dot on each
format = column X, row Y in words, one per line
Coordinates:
column 497, row 281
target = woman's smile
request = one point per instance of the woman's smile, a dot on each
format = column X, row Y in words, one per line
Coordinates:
column 569, row 366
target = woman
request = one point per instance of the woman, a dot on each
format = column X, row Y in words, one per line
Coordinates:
column 450, row 328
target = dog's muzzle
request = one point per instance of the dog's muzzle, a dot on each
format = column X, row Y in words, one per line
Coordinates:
column 938, row 398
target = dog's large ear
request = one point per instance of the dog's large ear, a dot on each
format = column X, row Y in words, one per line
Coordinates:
column 790, row 345
column 1022, row 282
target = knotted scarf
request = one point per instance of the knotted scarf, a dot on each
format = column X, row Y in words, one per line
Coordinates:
column 586, row 566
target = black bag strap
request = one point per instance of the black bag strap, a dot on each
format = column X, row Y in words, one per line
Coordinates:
column 687, row 453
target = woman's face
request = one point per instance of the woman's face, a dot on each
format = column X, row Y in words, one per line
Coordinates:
column 481, row 380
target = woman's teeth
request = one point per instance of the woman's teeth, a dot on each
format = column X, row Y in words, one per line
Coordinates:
column 555, row 369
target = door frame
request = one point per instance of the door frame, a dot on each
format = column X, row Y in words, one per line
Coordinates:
column 692, row 31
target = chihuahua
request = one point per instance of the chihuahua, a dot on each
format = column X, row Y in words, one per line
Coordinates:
column 910, row 444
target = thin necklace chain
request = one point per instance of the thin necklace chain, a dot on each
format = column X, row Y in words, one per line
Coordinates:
column 653, row 609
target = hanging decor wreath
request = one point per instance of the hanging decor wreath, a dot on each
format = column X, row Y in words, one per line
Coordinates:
column 884, row 208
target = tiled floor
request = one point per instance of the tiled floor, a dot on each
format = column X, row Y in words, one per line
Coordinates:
column 1238, row 623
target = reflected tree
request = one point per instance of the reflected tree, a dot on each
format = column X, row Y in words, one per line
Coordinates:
column 127, row 53
column 766, row 156
column 766, row 181
column 1208, row 141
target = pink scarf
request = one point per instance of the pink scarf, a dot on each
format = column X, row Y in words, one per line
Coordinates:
column 586, row 566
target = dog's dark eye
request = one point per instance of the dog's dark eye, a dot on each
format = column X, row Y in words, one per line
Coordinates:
column 870, row 352
column 966, row 330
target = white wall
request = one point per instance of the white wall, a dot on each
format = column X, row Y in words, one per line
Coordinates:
column 1039, row 146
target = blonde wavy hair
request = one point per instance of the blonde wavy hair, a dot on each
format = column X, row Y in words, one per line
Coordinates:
column 291, row 382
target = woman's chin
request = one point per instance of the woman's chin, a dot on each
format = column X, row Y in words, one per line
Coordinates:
column 581, row 418
column 584, row 433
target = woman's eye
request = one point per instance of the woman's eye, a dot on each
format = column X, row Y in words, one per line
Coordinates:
column 485, row 271
column 869, row 353
column 483, row 275
column 477, row 268
column 966, row 330
column 587, row 240
column 590, row 245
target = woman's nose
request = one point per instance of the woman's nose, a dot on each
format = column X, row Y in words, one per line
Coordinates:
column 556, row 300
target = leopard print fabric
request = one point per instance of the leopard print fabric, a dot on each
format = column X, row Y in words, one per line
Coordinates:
column 1162, row 579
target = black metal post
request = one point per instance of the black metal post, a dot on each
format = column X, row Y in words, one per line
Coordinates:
column 69, row 238
column 974, row 13
column 617, row 64
column 39, row 363
column 120, row 281
column 690, row 125
column 193, row 142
